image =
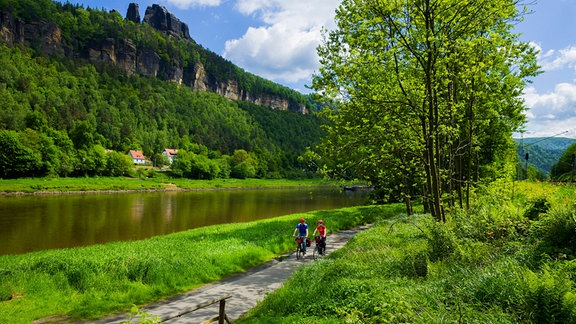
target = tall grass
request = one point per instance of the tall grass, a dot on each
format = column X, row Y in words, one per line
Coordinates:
column 90, row 282
column 490, row 264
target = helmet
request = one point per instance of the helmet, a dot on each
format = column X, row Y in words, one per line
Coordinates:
column 302, row 220
column 320, row 221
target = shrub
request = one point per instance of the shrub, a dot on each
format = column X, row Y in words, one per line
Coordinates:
column 545, row 298
column 441, row 241
column 536, row 208
column 556, row 232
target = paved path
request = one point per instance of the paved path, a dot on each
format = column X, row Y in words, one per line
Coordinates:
column 246, row 289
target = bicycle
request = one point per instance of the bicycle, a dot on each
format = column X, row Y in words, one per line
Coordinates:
column 300, row 248
column 320, row 248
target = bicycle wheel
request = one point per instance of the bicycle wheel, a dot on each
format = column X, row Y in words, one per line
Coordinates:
column 298, row 252
column 316, row 253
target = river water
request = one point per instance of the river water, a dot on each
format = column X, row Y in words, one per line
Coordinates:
column 33, row 223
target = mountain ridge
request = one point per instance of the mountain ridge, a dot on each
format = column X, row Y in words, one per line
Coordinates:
column 126, row 44
column 542, row 152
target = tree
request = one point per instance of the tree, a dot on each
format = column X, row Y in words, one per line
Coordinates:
column 428, row 93
column 202, row 167
column 16, row 160
column 83, row 134
column 243, row 164
column 564, row 169
column 118, row 164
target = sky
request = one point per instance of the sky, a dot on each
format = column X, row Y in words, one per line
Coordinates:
column 277, row 40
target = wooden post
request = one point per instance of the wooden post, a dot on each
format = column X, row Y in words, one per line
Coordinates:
column 222, row 312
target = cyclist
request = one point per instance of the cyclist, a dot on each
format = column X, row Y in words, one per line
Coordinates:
column 321, row 229
column 302, row 229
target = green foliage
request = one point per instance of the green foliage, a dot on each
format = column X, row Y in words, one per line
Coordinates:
column 243, row 170
column 16, row 160
column 554, row 231
column 564, row 169
column 133, row 116
column 442, row 242
column 100, row 105
column 475, row 280
column 118, row 164
column 427, row 96
column 536, row 208
column 546, row 294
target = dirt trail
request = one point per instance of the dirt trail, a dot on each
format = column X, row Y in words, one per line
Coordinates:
column 246, row 289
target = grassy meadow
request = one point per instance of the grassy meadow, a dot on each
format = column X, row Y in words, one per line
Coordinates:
column 91, row 282
column 510, row 259
column 148, row 180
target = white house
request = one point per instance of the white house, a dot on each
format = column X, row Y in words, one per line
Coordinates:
column 137, row 157
column 170, row 154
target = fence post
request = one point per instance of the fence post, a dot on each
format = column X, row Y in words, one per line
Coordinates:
column 222, row 313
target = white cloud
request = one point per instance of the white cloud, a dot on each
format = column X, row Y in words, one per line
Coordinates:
column 553, row 112
column 283, row 49
column 185, row 4
column 558, row 60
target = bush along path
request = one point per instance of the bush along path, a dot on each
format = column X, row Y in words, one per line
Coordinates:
column 245, row 289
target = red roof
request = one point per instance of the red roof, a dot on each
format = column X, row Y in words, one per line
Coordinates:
column 136, row 154
column 171, row 152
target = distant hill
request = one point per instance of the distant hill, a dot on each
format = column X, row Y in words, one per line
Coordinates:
column 543, row 152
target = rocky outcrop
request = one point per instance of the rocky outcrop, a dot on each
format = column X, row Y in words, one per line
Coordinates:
column 199, row 81
column 162, row 20
column 174, row 73
column 133, row 14
column 11, row 29
column 148, row 63
column 46, row 37
column 123, row 53
column 127, row 57
column 231, row 90
column 103, row 52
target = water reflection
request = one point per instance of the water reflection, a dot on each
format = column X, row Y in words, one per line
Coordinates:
column 31, row 223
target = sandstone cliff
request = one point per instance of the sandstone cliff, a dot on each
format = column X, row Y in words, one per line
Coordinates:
column 46, row 37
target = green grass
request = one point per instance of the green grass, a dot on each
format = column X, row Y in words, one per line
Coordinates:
column 487, row 267
column 156, row 182
column 91, row 282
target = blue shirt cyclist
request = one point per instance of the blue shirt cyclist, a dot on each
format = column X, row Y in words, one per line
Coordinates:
column 302, row 229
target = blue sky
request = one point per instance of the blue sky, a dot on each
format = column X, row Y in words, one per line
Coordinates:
column 277, row 39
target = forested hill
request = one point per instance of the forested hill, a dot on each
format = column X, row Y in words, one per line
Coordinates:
column 74, row 106
column 158, row 45
column 543, row 152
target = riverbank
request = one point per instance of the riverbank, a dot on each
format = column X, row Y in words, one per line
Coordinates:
column 55, row 186
column 90, row 282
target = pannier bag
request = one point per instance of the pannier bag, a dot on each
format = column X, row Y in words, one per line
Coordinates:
column 308, row 242
column 298, row 240
column 318, row 239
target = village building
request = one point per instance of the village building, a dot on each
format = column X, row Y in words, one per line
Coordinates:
column 137, row 157
column 170, row 154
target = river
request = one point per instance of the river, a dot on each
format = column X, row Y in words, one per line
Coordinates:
column 33, row 223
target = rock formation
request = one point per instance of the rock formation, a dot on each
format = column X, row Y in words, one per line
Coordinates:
column 123, row 53
column 133, row 14
column 162, row 20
